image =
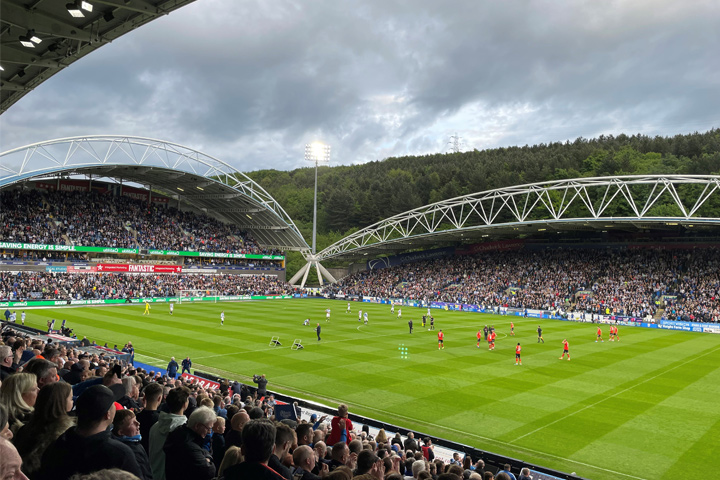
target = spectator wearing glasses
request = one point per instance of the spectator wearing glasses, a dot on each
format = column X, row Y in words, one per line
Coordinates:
column 6, row 362
column 185, row 456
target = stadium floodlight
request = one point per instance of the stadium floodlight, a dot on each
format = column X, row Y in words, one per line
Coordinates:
column 30, row 39
column 75, row 9
column 318, row 153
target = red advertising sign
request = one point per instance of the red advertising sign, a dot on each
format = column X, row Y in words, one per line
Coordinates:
column 69, row 185
column 138, row 268
column 501, row 245
column 140, row 194
column 203, row 382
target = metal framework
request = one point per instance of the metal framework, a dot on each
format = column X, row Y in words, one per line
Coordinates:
column 189, row 176
column 636, row 201
column 64, row 39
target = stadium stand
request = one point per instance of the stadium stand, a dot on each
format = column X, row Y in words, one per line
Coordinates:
column 651, row 282
column 53, row 286
column 95, row 219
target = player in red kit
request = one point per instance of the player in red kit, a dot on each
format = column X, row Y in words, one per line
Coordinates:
column 441, row 338
column 566, row 349
column 492, row 340
column 479, row 337
column 617, row 338
column 518, row 360
column 599, row 335
column 512, row 329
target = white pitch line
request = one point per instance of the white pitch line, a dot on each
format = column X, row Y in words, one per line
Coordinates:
column 612, row 396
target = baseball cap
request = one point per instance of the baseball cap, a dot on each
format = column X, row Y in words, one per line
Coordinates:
column 94, row 403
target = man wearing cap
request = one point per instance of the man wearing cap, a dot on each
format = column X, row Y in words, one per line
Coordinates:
column 89, row 446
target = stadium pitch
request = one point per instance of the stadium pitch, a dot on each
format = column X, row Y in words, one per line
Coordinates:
column 645, row 407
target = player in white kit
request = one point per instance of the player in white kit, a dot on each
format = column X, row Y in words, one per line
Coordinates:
column 365, row 317
column 327, row 314
column 359, row 315
column 172, row 307
column 222, row 317
column 348, row 308
column 399, row 313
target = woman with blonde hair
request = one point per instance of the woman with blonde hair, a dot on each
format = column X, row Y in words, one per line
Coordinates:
column 381, row 437
column 232, row 457
column 48, row 422
column 18, row 393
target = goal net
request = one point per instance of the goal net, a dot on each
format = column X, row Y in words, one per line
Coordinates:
column 198, row 295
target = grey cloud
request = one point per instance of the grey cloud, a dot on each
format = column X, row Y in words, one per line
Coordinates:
column 250, row 82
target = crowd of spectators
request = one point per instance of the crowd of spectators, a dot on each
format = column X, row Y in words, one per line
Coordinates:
column 683, row 284
column 96, row 219
column 69, row 414
column 22, row 286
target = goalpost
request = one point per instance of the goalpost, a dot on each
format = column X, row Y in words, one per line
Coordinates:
column 197, row 294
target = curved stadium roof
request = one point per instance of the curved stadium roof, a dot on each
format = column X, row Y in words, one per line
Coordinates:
column 63, row 38
column 179, row 172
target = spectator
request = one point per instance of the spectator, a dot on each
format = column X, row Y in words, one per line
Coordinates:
column 341, row 426
column 284, row 440
column 506, row 470
column 371, row 464
column 126, row 428
column 525, row 474
column 304, row 461
column 6, row 362
column 5, row 431
column 410, row 443
column 233, row 456
column 49, row 420
column 89, row 446
column 185, row 456
column 218, row 441
column 44, row 370
column 18, row 394
column 238, row 421
column 10, row 462
column 149, row 415
column 258, row 446
column 177, row 402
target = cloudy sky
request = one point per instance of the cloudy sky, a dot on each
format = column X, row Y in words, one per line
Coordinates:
column 252, row 81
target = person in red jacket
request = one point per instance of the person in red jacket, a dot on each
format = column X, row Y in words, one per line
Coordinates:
column 341, row 426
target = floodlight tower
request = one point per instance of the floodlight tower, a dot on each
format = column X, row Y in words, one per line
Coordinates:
column 318, row 153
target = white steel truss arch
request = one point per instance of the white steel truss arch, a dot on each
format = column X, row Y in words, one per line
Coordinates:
column 216, row 186
column 604, row 202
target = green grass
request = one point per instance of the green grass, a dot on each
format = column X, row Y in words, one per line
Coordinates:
column 644, row 407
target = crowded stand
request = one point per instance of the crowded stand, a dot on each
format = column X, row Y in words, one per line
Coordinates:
column 66, row 413
column 23, row 286
column 678, row 284
column 104, row 220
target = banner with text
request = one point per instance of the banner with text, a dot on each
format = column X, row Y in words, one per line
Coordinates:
column 203, row 382
column 138, row 268
column 133, row 251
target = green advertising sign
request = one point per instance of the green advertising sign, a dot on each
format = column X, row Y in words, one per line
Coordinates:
column 132, row 251
column 117, row 301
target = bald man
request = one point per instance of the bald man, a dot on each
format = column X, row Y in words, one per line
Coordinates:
column 237, row 422
column 10, row 462
column 304, row 460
